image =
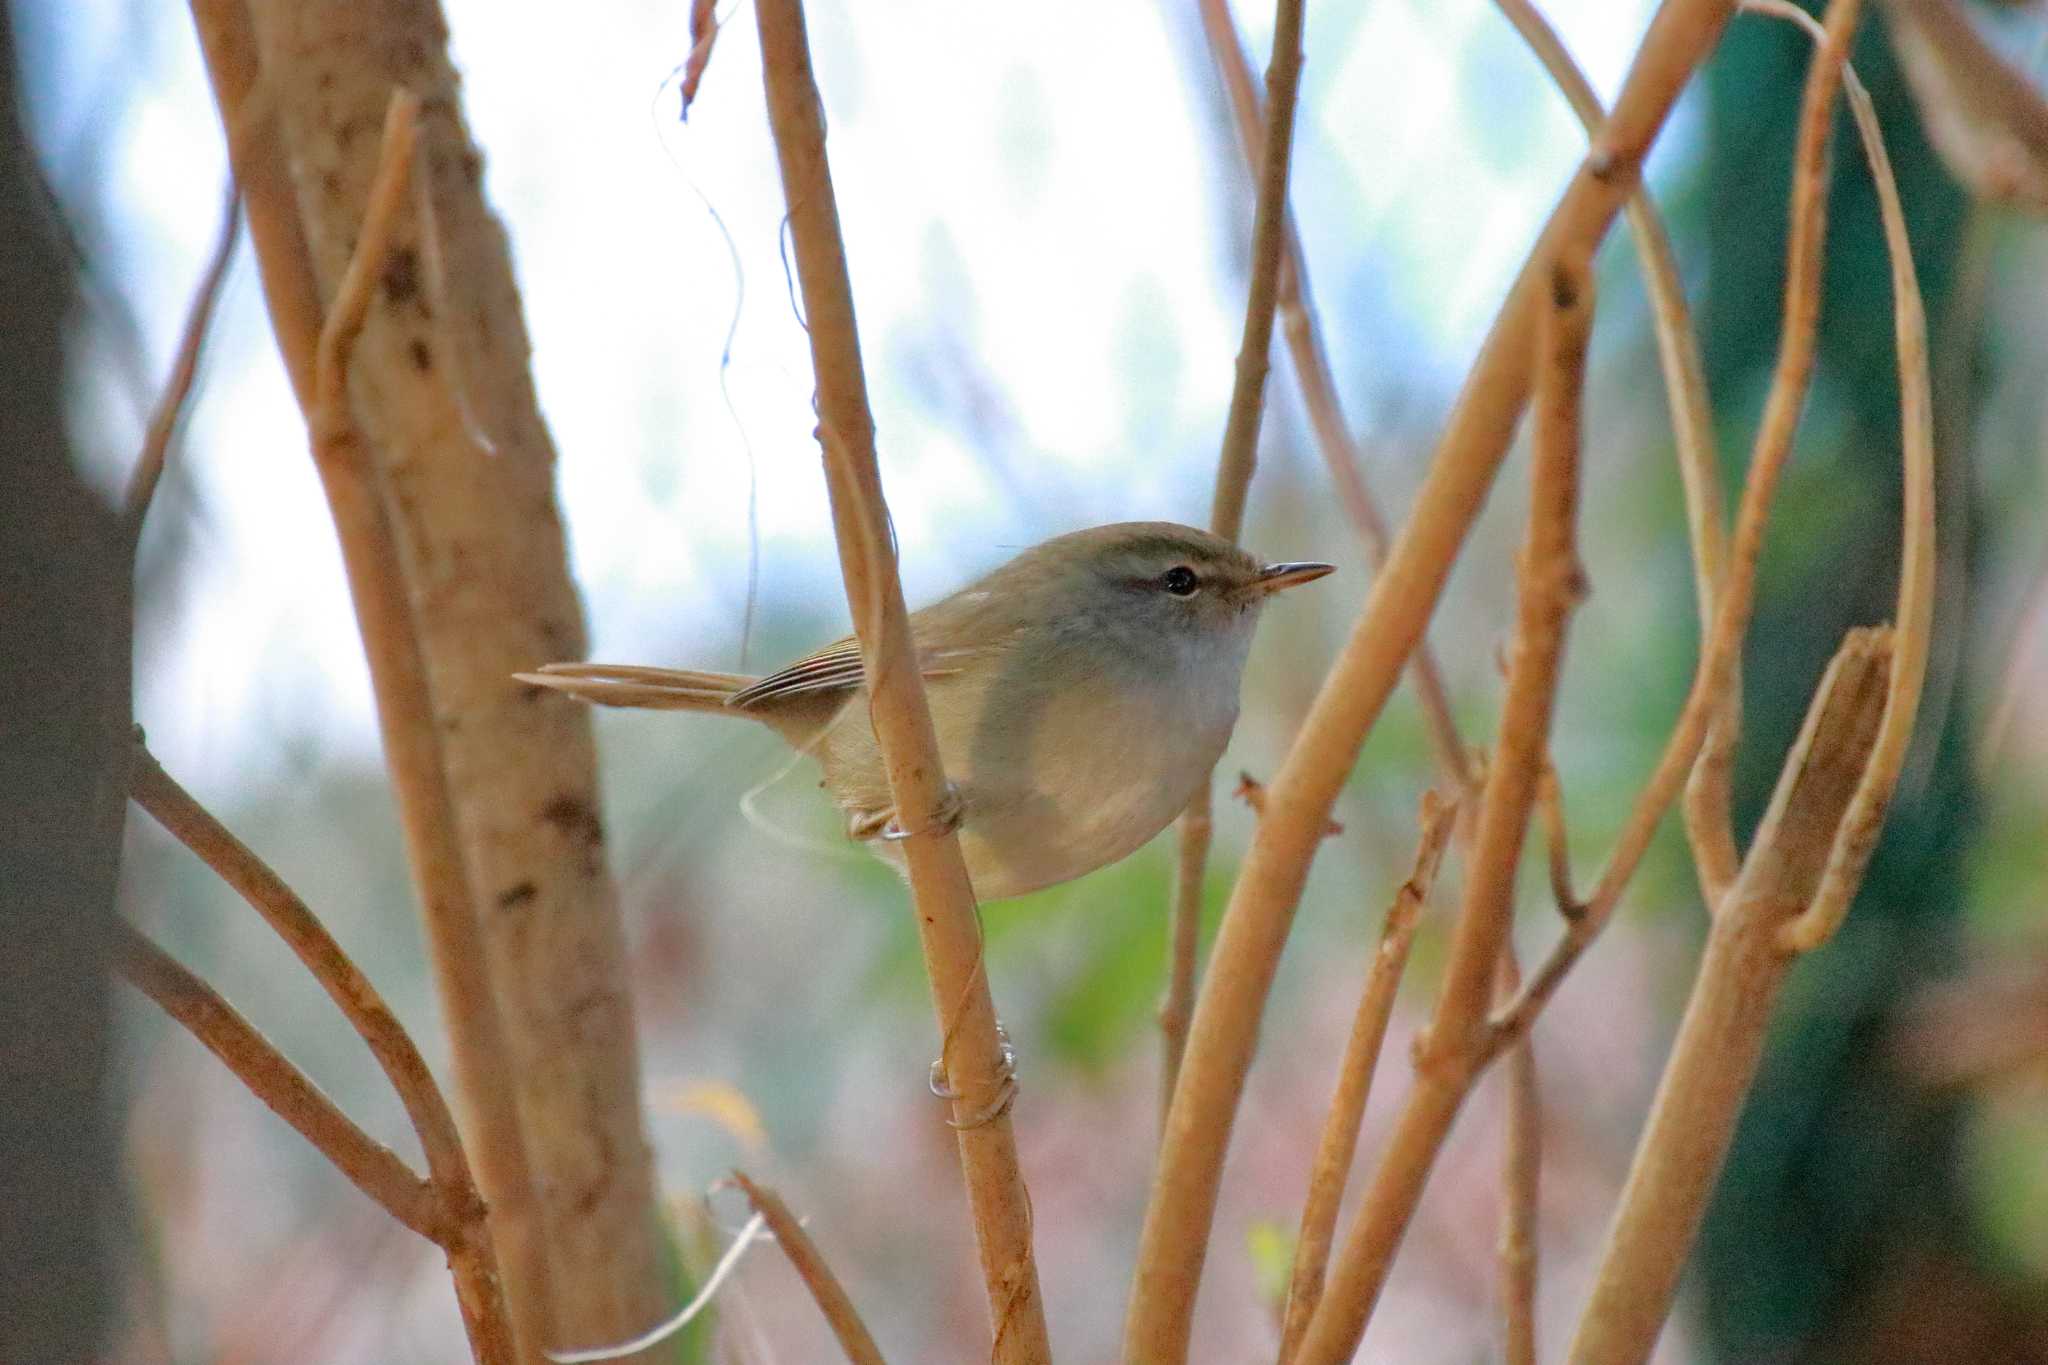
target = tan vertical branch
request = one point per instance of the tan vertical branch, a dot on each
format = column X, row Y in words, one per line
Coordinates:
column 1339, row 1142
column 1735, row 598
column 1225, row 1028
column 1707, row 811
column 1721, row 1038
column 1453, row 1050
column 1233, row 481
column 1193, row 833
column 484, row 582
column 411, row 748
column 947, row 919
column 1311, row 362
column 248, row 116
column 1521, row 1179
column 1809, row 853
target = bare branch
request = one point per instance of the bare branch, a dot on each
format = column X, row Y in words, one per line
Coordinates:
column 255, row 150
column 1252, row 792
column 1707, row 796
column 1914, row 614
column 177, row 391
column 157, row 792
column 1193, row 832
column 1453, row 1051
column 405, row 711
column 1234, row 467
column 1521, row 1178
column 946, row 915
column 1714, row 1059
column 352, row 296
column 1720, row 658
column 1311, row 361
column 463, row 464
column 369, row 1165
column 825, row 1288
column 1224, row 1032
column 1269, row 236
column 1339, row 1142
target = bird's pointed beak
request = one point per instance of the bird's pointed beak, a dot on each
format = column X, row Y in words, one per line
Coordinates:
column 1274, row 577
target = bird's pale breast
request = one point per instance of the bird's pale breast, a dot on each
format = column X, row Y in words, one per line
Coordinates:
column 1066, row 780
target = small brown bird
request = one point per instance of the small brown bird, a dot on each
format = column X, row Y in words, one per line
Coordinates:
column 1080, row 693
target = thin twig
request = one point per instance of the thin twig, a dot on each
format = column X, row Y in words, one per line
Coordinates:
column 1810, row 852
column 1451, row 1054
column 1312, row 372
column 1224, row 1033
column 1721, row 1038
column 1269, row 237
column 1707, row 796
column 1720, row 658
column 1521, row 1177
column 256, row 152
column 1550, row 809
column 825, row 1288
column 369, row 1165
column 1913, row 617
column 948, row 923
column 1193, row 832
column 157, row 792
column 1226, row 516
column 177, row 391
column 1339, row 1142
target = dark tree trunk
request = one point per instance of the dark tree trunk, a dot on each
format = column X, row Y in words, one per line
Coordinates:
column 64, row 718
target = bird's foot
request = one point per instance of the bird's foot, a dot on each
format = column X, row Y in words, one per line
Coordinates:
column 952, row 810
column 1006, row 1091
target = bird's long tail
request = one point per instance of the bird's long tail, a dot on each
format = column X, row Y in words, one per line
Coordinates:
column 655, row 689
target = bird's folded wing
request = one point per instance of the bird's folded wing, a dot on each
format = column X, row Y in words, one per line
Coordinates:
column 835, row 668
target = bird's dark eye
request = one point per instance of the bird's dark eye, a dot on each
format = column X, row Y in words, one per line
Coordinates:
column 1180, row 580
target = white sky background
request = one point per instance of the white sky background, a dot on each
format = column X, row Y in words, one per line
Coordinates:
column 1043, row 247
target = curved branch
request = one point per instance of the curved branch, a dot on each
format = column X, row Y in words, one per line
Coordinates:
column 1914, row 614
column 157, row 792
column 1707, row 797
column 1721, row 657
column 369, row 1165
column 1721, row 1038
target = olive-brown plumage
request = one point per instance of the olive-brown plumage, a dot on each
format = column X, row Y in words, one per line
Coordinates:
column 1080, row 693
